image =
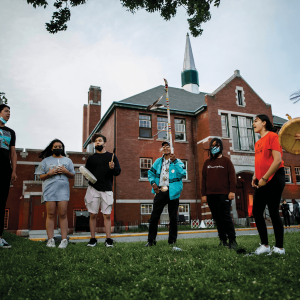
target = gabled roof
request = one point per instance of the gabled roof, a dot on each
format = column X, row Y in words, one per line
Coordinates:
column 278, row 121
column 180, row 99
column 181, row 102
column 236, row 74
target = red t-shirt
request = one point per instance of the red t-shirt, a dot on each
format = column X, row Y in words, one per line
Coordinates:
column 263, row 154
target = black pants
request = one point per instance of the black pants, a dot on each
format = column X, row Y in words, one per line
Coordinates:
column 270, row 195
column 5, row 176
column 160, row 200
column 287, row 220
column 220, row 208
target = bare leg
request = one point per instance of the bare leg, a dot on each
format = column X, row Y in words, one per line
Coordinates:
column 63, row 220
column 50, row 207
column 107, row 224
column 93, row 220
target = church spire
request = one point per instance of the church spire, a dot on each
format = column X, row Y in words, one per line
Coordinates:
column 189, row 75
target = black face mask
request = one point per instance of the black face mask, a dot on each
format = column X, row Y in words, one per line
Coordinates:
column 99, row 148
column 57, row 152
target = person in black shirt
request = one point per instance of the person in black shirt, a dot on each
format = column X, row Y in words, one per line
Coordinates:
column 103, row 165
column 8, row 163
column 285, row 208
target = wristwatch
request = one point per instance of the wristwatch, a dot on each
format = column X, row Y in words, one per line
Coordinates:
column 264, row 179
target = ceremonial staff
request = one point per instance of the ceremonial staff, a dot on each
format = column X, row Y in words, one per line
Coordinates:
column 155, row 105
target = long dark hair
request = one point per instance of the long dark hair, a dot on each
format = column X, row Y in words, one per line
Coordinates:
column 218, row 144
column 269, row 125
column 48, row 151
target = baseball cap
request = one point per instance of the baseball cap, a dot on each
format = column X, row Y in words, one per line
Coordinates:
column 165, row 142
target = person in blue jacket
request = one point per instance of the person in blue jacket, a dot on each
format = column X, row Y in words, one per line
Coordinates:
column 165, row 177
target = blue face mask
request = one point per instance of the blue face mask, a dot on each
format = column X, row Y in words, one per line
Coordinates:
column 215, row 150
column 2, row 120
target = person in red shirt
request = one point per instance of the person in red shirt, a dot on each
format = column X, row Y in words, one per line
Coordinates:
column 218, row 189
column 269, row 182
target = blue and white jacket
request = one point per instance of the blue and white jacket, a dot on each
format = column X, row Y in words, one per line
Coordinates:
column 176, row 173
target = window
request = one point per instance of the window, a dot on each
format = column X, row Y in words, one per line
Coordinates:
column 36, row 177
column 145, row 165
column 297, row 171
column 184, row 209
column 288, row 177
column 145, row 126
column 224, row 122
column 74, row 214
column 79, row 179
column 242, row 133
column 6, row 218
column 240, row 98
column 186, row 168
column 162, row 126
column 180, row 134
column 146, row 209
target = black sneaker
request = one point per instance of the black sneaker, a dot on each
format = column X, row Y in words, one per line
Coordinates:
column 232, row 244
column 223, row 243
column 109, row 243
column 171, row 242
column 4, row 244
column 150, row 244
column 92, row 242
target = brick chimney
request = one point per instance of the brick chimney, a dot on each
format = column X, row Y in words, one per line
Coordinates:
column 91, row 112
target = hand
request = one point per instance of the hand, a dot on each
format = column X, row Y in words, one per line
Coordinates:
column 172, row 157
column 231, row 196
column 204, row 199
column 62, row 169
column 53, row 171
column 156, row 188
column 111, row 165
column 297, row 136
column 253, row 182
column 14, row 176
column 261, row 183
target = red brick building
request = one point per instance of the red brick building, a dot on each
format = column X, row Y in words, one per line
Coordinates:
column 196, row 117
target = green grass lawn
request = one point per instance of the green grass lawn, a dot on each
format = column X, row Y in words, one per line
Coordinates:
column 29, row 270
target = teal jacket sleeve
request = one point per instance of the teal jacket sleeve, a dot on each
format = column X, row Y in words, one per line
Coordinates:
column 151, row 174
column 179, row 168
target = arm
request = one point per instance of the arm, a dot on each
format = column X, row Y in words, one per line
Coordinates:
column 115, row 166
column 51, row 172
column 273, row 168
column 178, row 166
column 63, row 170
column 253, row 180
column 13, row 157
column 232, row 180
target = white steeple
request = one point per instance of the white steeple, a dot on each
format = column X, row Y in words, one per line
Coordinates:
column 189, row 75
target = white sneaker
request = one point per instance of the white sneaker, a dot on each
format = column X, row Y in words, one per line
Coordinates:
column 63, row 244
column 51, row 243
column 4, row 244
column 262, row 249
column 277, row 250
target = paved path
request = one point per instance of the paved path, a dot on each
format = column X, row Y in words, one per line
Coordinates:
column 137, row 237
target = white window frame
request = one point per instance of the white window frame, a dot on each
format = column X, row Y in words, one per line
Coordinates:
column 186, row 211
column 79, row 179
column 225, row 122
column 145, row 123
column 242, row 93
column 149, row 160
column 287, row 171
column 297, row 172
column 185, row 162
column 177, row 126
column 146, row 209
column 6, row 218
column 36, row 177
column 163, row 125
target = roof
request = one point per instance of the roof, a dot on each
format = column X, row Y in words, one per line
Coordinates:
column 278, row 121
column 179, row 99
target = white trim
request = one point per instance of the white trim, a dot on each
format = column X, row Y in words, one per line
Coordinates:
column 206, row 213
column 150, row 201
column 221, row 111
column 240, row 88
column 209, row 137
column 28, row 194
column 38, row 162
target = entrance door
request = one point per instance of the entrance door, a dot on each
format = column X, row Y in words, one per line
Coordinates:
column 38, row 216
column 240, row 203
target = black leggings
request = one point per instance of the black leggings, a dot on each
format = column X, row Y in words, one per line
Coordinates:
column 287, row 220
column 5, row 176
column 270, row 195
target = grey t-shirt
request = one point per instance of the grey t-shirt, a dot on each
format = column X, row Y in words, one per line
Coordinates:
column 55, row 188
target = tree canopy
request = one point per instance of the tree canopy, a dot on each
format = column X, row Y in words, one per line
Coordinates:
column 3, row 99
column 198, row 11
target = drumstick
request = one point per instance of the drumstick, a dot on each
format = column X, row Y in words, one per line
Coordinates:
column 112, row 159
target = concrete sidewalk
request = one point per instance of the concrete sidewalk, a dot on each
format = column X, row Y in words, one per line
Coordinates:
column 137, row 237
